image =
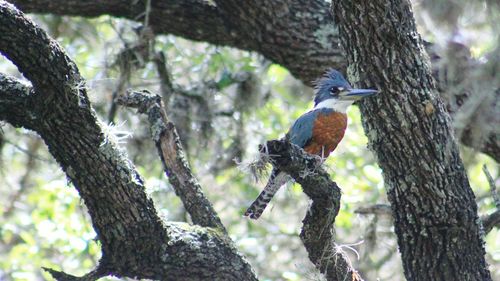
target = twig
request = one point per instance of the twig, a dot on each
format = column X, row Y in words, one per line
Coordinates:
column 62, row 276
column 120, row 87
column 147, row 13
column 377, row 209
column 493, row 188
column 493, row 219
column 28, row 152
column 166, row 86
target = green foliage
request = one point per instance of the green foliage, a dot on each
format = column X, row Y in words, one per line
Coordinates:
column 52, row 230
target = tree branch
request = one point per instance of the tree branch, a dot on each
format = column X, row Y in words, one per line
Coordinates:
column 15, row 102
column 135, row 242
column 51, row 72
column 377, row 209
column 176, row 168
column 493, row 187
column 284, row 31
column 492, row 220
column 318, row 234
column 193, row 19
column 248, row 25
column 24, row 182
column 471, row 94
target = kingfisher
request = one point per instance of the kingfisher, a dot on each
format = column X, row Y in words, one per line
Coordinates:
column 318, row 131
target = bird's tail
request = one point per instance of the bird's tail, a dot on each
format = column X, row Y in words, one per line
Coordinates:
column 276, row 180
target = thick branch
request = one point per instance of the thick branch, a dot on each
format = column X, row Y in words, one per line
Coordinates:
column 169, row 146
column 135, row 243
column 15, row 102
column 193, row 19
column 318, row 234
column 284, row 31
column 51, row 72
column 70, row 129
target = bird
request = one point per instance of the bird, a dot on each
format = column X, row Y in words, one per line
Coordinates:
column 318, row 131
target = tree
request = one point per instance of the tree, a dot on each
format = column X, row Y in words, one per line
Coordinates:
column 432, row 202
column 56, row 106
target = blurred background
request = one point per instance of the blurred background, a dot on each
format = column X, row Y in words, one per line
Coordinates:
column 225, row 103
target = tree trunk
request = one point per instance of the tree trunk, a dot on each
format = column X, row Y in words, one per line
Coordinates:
column 410, row 133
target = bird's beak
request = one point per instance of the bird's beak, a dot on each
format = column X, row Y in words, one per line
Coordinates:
column 356, row 94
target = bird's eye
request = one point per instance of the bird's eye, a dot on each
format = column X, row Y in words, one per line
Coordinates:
column 334, row 91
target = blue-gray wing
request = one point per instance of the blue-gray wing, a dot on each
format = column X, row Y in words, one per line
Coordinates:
column 301, row 131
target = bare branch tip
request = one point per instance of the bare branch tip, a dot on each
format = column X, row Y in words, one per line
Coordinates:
column 493, row 188
column 141, row 99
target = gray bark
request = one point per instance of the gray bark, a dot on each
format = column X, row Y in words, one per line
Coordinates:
column 410, row 132
column 134, row 241
column 318, row 233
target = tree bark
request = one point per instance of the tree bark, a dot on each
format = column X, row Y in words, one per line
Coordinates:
column 298, row 34
column 318, row 233
column 249, row 25
column 172, row 157
column 134, row 240
column 410, row 132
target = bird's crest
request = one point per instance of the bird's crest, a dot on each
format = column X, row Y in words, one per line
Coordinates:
column 323, row 85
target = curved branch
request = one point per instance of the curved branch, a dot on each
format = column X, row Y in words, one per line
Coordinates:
column 169, row 147
column 193, row 19
column 51, row 72
column 318, row 233
column 15, row 102
column 490, row 221
column 57, row 101
column 135, row 242
column 285, row 31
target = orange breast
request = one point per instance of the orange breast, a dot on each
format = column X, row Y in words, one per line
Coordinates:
column 328, row 131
